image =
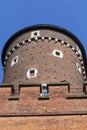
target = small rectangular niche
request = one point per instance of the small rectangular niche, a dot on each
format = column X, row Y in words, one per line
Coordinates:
column 44, row 92
column 57, row 53
column 78, row 67
column 14, row 61
column 35, row 34
column 32, row 72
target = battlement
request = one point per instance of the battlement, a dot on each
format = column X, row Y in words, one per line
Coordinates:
column 45, row 79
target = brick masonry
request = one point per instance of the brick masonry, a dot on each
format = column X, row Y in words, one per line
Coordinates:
column 66, row 107
column 44, row 123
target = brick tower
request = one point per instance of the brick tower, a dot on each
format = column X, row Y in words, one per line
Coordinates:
column 44, row 84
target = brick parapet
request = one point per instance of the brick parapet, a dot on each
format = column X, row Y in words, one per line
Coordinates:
column 63, row 73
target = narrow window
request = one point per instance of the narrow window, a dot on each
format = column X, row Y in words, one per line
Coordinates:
column 31, row 73
column 35, row 34
column 44, row 90
column 14, row 60
column 78, row 67
column 58, row 53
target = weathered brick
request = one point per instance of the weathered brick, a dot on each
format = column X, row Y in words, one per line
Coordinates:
column 65, row 107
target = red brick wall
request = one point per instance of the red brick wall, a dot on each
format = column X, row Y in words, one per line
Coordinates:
column 44, row 123
column 39, row 55
column 16, row 114
column 29, row 104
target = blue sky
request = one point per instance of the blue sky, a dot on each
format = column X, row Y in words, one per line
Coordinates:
column 18, row 14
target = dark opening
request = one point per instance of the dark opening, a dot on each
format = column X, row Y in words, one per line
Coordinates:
column 15, row 60
column 32, row 72
column 35, row 33
column 57, row 53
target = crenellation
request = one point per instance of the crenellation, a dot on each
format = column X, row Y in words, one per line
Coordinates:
column 45, row 80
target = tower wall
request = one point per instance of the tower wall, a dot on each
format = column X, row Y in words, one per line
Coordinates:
column 44, row 85
column 38, row 54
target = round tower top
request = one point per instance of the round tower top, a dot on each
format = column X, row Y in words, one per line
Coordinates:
column 45, row 27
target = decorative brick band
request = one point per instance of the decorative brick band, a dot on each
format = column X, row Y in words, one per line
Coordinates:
column 29, row 40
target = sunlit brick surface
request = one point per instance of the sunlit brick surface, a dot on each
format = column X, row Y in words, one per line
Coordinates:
column 44, row 123
column 63, row 75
